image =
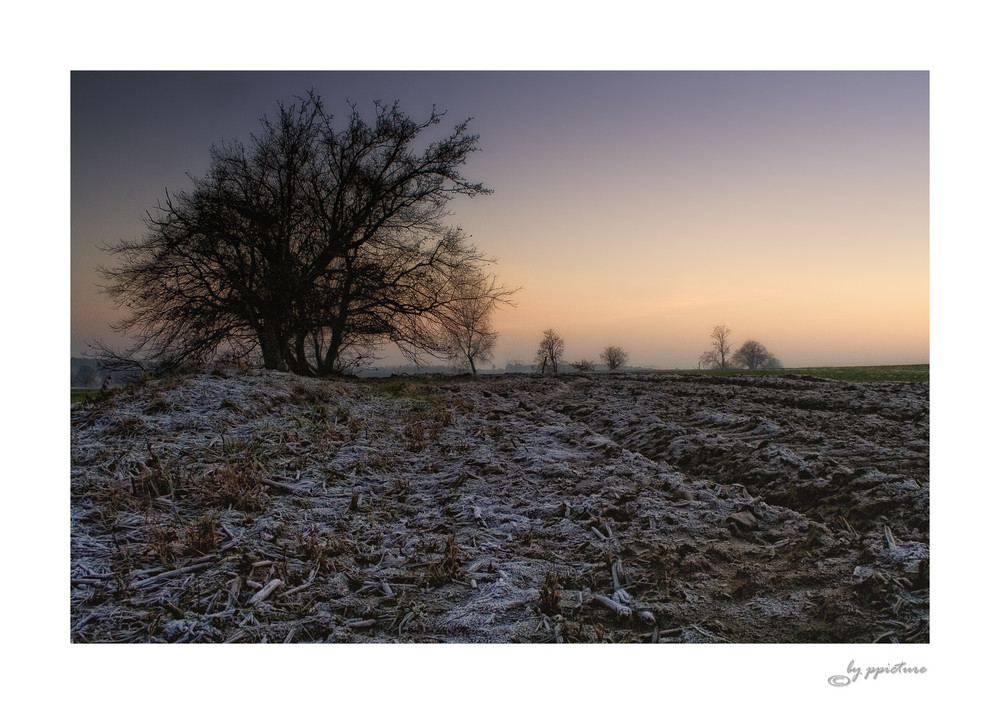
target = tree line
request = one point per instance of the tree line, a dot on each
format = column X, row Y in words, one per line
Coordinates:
column 750, row 355
column 552, row 348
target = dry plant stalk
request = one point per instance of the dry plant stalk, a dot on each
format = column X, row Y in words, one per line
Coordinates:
column 414, row 433
column 446, row 569
column 200, row 537
column 400, row 489
column 549, row 594
column 162, row 540
column 238, row 487
column 616, row 607
column 265, row 592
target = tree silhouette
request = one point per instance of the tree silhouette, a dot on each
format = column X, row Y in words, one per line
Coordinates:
column 550, row 351
column 466, row 332
column 753, row 355
column 614, row 357
column 715, row 358
column 310, row 245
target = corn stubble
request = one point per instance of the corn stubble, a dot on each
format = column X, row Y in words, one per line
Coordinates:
column 242, row 507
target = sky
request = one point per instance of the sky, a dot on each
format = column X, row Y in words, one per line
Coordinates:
column 634, row 208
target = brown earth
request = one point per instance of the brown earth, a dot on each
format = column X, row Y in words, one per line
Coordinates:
column 272, row 508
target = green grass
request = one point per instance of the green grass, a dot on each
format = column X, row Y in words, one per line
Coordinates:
column 78, row 394
column 885, row 373
column 882, row 373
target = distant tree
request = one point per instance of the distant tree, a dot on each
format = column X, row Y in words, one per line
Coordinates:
column 584, row 365
column 465, row 321
column 550, row 351
column 310, row 245
column 614, row 357
column 717, row 356
column 753, row 355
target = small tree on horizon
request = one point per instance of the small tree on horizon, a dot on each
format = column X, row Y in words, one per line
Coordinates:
column 465, row 321
column 550, row 351
column 753, row 355
column 615, row 357
column 716, row 357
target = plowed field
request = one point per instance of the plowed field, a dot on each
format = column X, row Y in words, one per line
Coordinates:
column 668, row 509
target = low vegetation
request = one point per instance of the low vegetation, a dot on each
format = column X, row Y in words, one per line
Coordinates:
column 880, row 373
column 77, row 394
column 411, row 386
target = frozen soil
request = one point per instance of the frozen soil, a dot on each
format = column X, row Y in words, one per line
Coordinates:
column 236, row 507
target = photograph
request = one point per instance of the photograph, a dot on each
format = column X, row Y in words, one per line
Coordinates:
column 535, row 355
column 487, row 357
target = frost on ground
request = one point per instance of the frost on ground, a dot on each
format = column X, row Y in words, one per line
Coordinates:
column 231, row 507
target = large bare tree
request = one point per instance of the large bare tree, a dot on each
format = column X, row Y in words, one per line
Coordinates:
column 309, row 244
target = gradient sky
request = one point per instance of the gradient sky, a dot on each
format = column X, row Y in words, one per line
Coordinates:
column 633, row 208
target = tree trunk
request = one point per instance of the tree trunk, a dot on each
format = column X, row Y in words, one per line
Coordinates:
column 300, row 353
column 272, row 349
column 332, row 352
